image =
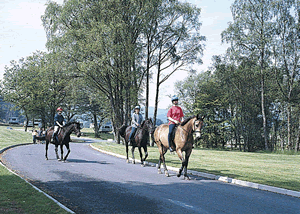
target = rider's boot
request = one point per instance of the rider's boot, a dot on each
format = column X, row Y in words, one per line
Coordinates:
column 170, row 147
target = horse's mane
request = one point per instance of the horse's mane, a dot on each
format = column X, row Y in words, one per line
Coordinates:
column 70, row 123
column 187, row 120
column 122, row 130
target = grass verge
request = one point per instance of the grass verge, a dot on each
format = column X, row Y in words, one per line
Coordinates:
column 279, row 170
column 17, row 196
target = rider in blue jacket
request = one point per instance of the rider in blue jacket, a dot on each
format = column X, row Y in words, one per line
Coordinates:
column 59, row 122
column 136, row 120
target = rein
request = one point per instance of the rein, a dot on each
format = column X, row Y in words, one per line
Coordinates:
column 193, row 131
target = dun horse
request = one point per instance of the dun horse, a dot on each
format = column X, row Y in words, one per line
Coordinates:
column 140, row 139
column 183, row 141
column 63, row 138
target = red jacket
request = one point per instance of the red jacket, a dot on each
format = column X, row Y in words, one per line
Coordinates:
column 175, row 112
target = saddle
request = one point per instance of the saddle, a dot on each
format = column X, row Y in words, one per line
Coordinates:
column 134, row 135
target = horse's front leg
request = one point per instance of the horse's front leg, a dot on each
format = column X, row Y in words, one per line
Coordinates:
column 162, row 157
column 68, row 148
column 47, row 144
column 141, row 155
column 132, row 151
column 179, row 153
column 186, row 162
column 126, row 144
column 146, row 152
column 61, row 152
column 56, row 152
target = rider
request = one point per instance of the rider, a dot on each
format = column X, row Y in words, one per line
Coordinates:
column 175, row 116
column 136, row 120
column 59, row 122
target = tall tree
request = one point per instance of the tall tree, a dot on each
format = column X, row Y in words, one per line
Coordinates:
column 250, row 34
column 178, row 43
column 286, row 53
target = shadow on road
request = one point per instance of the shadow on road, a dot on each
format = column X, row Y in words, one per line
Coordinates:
column 86, row 161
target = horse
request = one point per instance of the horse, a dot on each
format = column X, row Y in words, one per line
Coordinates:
column 183, row 142
column 140, row 139
column 63, row 138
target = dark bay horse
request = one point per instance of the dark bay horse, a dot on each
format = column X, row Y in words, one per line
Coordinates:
column 183, row 141
column 63, row 138
column 140, row 139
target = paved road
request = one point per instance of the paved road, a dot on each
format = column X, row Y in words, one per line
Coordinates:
column 92, row 182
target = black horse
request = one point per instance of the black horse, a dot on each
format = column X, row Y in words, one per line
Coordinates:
column 140, row 139
column 63, row 138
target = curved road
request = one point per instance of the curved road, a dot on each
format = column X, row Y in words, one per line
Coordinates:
column 92, row 182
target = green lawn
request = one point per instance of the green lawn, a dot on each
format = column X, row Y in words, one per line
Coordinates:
column 278, row 170
column 17, row 196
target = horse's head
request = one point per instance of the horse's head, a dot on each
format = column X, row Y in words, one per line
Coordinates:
column 149, row 125
column 76, row 128
column 197, row 126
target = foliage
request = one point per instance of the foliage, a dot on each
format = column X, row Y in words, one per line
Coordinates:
column 251, row 95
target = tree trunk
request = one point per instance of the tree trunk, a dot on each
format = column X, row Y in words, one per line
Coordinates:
column 263, row 99
column 26, row 125
column 289, row 126
column 96, row 129
column 147, row 80
column 157, row 90
column 298, row 136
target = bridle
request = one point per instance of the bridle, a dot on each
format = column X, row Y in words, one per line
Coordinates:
column 194, row 127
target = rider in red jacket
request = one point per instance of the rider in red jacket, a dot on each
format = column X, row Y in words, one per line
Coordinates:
column 175, row 116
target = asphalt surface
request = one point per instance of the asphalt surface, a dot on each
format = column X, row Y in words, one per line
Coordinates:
column 92, row 182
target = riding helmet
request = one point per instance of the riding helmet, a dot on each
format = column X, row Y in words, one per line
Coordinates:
column 59, row 109
column 174, row 97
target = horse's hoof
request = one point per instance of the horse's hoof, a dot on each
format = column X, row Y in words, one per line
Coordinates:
column 178, row 175
column 46, row 158
column 59, row 159
column 127, row 161
column 142, row 165
column 133, row 162
column 187, row 178
column 159, row 171
column 167, row 174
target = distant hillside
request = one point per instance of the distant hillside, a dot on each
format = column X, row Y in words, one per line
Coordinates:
column 161, row 114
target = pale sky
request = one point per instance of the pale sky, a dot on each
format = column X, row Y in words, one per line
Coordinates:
column 22, row 33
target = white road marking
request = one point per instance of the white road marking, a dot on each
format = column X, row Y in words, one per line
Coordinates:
column 185, row 205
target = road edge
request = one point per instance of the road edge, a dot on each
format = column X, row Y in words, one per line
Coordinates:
column 216, row 177
column 36, row 188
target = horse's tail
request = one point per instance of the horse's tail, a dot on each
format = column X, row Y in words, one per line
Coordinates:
column 122, row 130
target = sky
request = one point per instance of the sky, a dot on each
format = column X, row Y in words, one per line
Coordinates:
column 22, row 33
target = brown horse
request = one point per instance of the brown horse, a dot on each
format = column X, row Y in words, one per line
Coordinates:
column 63, row 138
column 183, row 141
column 140, row 139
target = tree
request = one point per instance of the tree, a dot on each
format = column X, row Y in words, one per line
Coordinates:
column 250, row 34
column 36, row 85
column 286, row 55
column 178, row 43
column 101, row 40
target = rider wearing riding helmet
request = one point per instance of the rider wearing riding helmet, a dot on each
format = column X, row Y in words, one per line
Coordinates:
column 175, row 116
column 59, row 122
column 136, row 120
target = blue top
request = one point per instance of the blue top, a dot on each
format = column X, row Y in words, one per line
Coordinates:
column 59, row 118
column 136, row 119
